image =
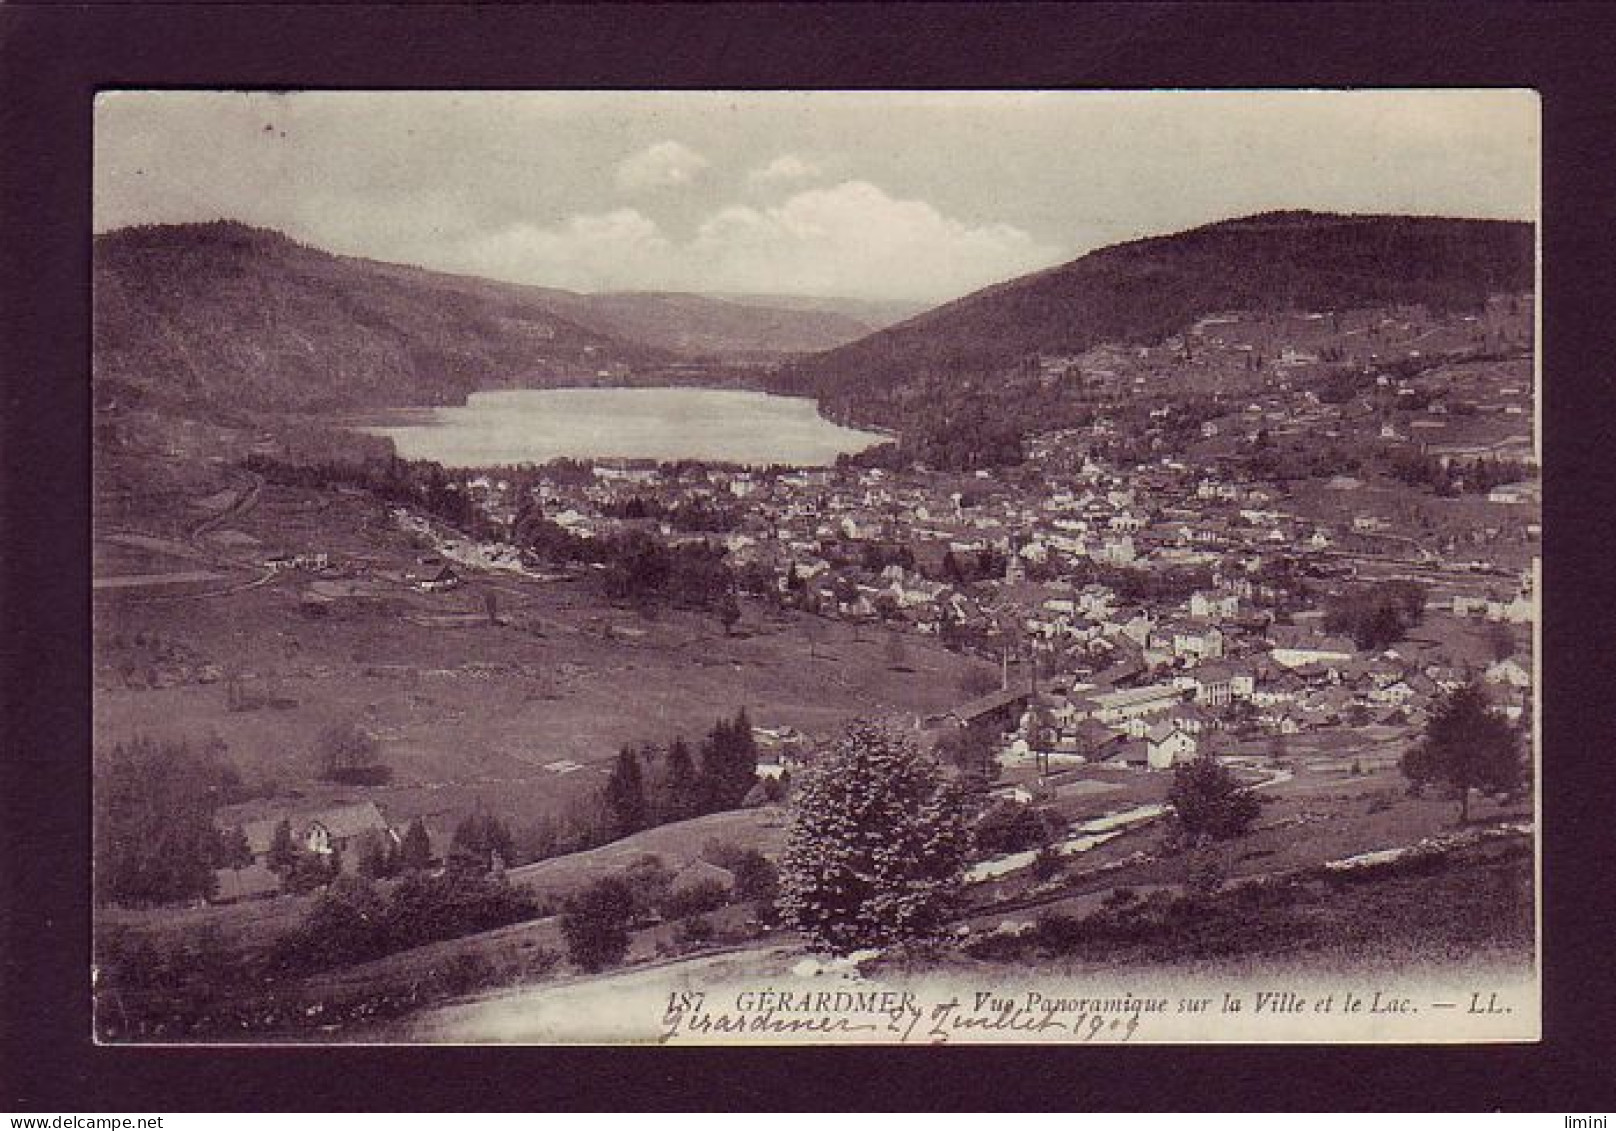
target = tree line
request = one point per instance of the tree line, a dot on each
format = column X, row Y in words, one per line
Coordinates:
column 689, row 515
column 651, row 785
column 154, row 839
column 635, row 565
column 1453, row 477
column 417, row 484
column 1376, row 616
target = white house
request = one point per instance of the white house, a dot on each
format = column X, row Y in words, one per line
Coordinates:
column 1213, row 684
column 1118, row 551
column 1396, row 694
column 1516, row 611
column 1167, row 744
column 1214, row 606
column 333, row 831
column 1202, row 644
column 1509, row 672
column 1137, row 628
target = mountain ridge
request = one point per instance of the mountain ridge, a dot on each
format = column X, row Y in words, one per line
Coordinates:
column 222, row 312
column 1143, row 290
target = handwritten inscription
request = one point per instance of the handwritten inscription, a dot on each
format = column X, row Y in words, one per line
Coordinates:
column 904, row 1017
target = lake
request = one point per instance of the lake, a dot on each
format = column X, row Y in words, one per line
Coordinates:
column 538, row 425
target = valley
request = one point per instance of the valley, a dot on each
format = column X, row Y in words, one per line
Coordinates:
column 1276, row 535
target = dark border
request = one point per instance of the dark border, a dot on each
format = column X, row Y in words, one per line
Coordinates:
column 53, row 58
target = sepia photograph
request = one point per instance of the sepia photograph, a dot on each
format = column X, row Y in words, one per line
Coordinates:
column 790, row 567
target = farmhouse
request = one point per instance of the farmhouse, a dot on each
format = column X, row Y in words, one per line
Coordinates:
column 336, row 830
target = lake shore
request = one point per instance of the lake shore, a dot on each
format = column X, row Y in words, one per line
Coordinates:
column 535, row 426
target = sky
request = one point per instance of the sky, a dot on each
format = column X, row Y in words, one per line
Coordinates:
column 916, row 197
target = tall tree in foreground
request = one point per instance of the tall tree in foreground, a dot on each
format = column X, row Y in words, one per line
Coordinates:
column 283, row 849
column 878, row 844
column 378, row 855
column 681, row 783
column 1209, row 803
column 1467, row 746
column 154, row 837
column 596, row 924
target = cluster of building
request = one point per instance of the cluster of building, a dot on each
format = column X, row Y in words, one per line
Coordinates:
column 1155, row 719
column 1088, row 572
column 1172, row 598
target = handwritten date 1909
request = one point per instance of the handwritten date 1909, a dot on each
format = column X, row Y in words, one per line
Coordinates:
column 900, row 1019
column 952, row 1018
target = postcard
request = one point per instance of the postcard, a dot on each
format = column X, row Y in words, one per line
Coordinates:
column 815, row 567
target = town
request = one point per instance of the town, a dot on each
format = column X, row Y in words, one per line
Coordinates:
column 1259, row 546
column 1148, row 598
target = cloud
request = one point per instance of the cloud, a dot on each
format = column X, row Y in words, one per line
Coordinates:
column 850, row 239
column 781, row 170
column 854, row 239
column 667, row 164
column 600, row 251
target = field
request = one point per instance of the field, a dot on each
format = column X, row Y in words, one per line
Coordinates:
column 470, row 711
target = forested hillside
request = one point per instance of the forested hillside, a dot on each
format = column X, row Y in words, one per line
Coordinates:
column 1144, row 291
column 224, row 315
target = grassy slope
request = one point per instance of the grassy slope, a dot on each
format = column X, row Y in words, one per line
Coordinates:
column 577, row 677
